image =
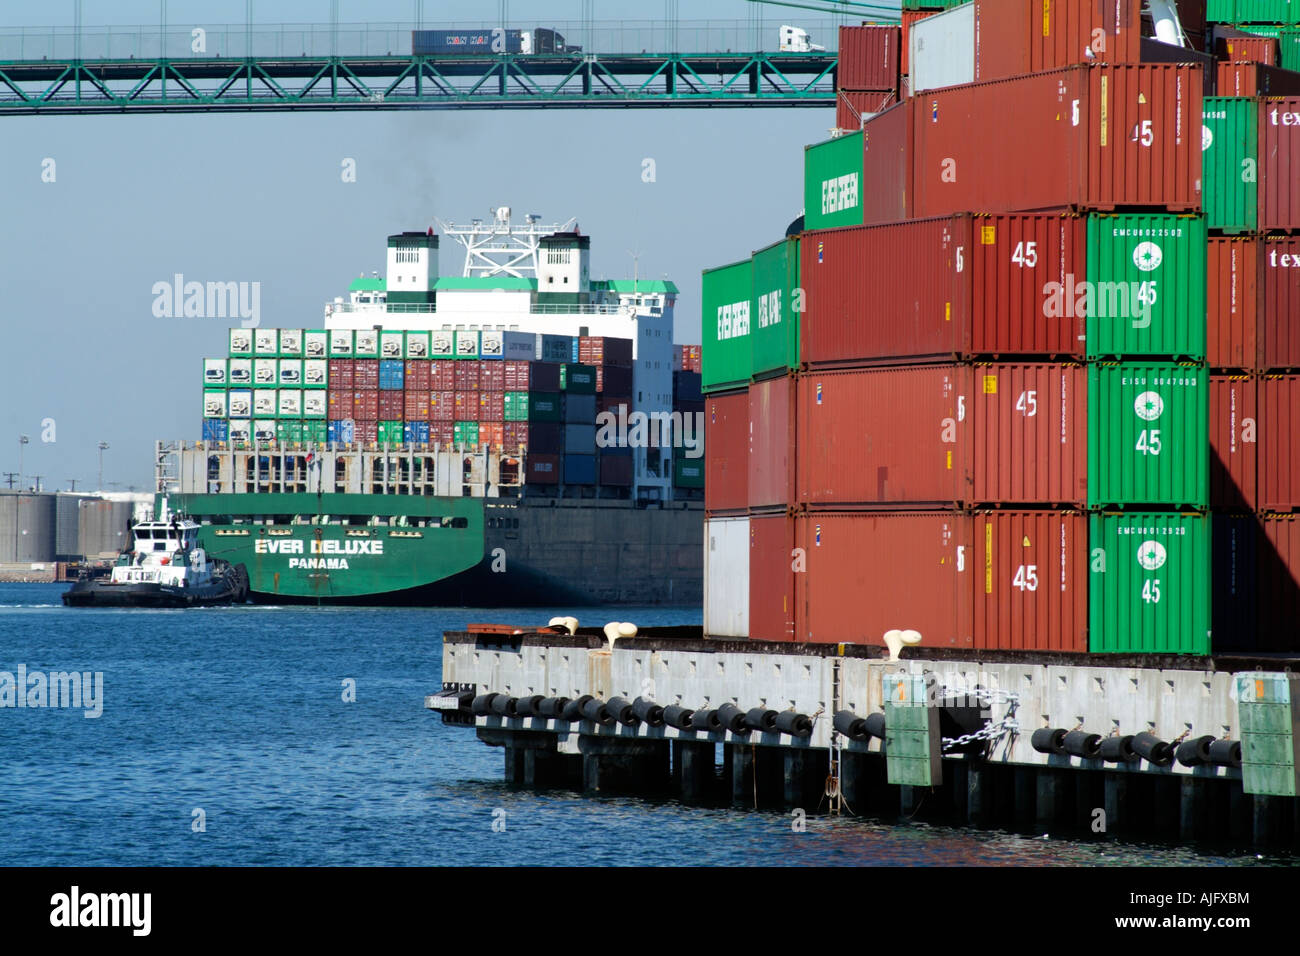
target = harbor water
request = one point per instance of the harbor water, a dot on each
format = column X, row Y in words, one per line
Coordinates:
column 225, row 739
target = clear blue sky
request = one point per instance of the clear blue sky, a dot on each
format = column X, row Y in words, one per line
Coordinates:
column 259, row 198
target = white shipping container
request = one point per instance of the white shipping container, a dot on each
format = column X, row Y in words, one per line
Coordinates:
column 491, row 344
column 314, row 404
column 214, row 404
column 214, row 371
column 726, row 577
column 390, row 345
column 240, row 372
column 942, row 49
column 367, row 344
column 239, row 430
column 290, row 371
column 315, row 344
column 239, row 403
column 241, row 342
column 266, row 342
column 265, row 371
column 264, row 401
column 291, row 343
column 443, row 344
column 417, row 345
column 341, row 343
column 264, row 430
column 290, row 403
column 315, row 372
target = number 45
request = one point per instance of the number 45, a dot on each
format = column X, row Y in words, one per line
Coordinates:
column 1144, row 133
column 1151, row 591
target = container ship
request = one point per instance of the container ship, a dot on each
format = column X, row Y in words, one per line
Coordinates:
column 518, row 434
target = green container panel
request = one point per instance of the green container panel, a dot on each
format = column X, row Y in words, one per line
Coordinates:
column 1253, row 11
column 1288, row 38
column 579, row 379
column 1230, row 151
column 315, row 431
column 516, row 406
column 1149, row 584
column 932, row 4
column 1148, row 435
column 465, row 433
column 725, row 321
column 1146, row 276
column 289, row 430
column 832, row 182
column 544, row 407
column 688, row 472
column 391, row 432
column 775, row 335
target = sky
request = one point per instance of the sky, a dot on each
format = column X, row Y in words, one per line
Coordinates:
column 240, row 197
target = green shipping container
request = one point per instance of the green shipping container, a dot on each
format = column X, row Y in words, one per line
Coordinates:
column 1288, row 39
column 1148, row 435
column 1149, row 584
column 725, row 323
column 391, row 433
column 688, row 472
column 579, row 379
column 516, row 406
column 543, row 407
column 1146, row 275
column 315, row 432
column 288, row 430
column 932, row 4
column 465, row 433
column 1253, row 11
column 1230, row 152
column 832, row 182
column 775, row 335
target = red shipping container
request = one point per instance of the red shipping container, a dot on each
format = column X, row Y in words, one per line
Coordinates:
column 612, row 404
column 492, row 375
column 491, row 406
column 943, row 436
column 365, row 405
column 415, row 406
column 442, row 406
column 1248, row 49
column 614, row 380
column 1015, row 37
column 868, row 57
column 466, row 406
column 466, row 376
column 726, row 452
column 365, row 373
column 492, row 433
column 604, row 350
column 1234, row 417
column 771, row 578
column 340, row 374
column 339, row 405
column 1279, row 443
column 616, row 471
column 950, row 287
column 365, row 432
column 542, row 470
column 772, row 422
column 392, row 405
column 1233, row 302
column 871, row 573
column 1279, row 303
column 1254, row 79
column 1279, row 156
column 442, row 375
column 909, row 17
column 853, row 106
column 418, row 375
column 1279, row 583
column 442, row 433
column 887, row 165
column 1031, row 581
column 1091, row 137
column 514, row 435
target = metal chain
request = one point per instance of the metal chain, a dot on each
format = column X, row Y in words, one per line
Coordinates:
column 993, row 730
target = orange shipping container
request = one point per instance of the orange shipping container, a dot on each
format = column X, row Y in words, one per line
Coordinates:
column 771, row 577
column 1279, row 443
column 726, row 452
column 772, row 422
column 1234, row 415
column 1015, row 37
column 1233, row 302
column 868, row 57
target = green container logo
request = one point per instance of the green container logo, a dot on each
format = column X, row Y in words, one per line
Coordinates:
column 833, row 183
column 776, row 330
column 725, row 323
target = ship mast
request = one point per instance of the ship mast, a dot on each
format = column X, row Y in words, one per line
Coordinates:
column 500, row 247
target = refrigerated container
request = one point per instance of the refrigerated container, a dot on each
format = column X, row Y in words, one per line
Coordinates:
column 726, row 577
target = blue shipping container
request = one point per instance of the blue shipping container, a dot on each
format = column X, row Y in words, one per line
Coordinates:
column 416, row 432
column 579, row 469
column 342, row 431
column 426, row 42
column 215, row 429
column 392, row 375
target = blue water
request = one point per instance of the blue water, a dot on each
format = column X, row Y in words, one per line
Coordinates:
column 239, row 712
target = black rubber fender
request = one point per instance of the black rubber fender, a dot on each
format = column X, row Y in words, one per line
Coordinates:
column 794, row 723
column 595, row 711
column 504, row 706
column 527, row 706
column 732, row 718
column 1080, row 743
column 1226, row 753
column 481, row 706
column 465, row 700
column 851, row 725
column 874, row 724
column 573, row 709
column 648, row 711
column 1118, row 749
column 683, row 718
column 705, row 720
column 552, row 707
column 1049, row 740
column 1152, row 749
column 760, row 718
column 1194, row 751
column 621, row 709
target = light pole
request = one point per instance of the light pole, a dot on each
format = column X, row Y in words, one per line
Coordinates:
column 22, row 448
column 102, row 446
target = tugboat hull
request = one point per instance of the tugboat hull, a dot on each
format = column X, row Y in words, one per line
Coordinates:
column 230, row 587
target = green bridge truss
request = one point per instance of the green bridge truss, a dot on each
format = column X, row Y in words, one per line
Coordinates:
column 417, row 82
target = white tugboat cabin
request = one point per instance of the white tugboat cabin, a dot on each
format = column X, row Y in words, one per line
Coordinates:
column 165, row 552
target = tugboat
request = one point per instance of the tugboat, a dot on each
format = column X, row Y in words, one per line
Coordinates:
column 164, row 568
